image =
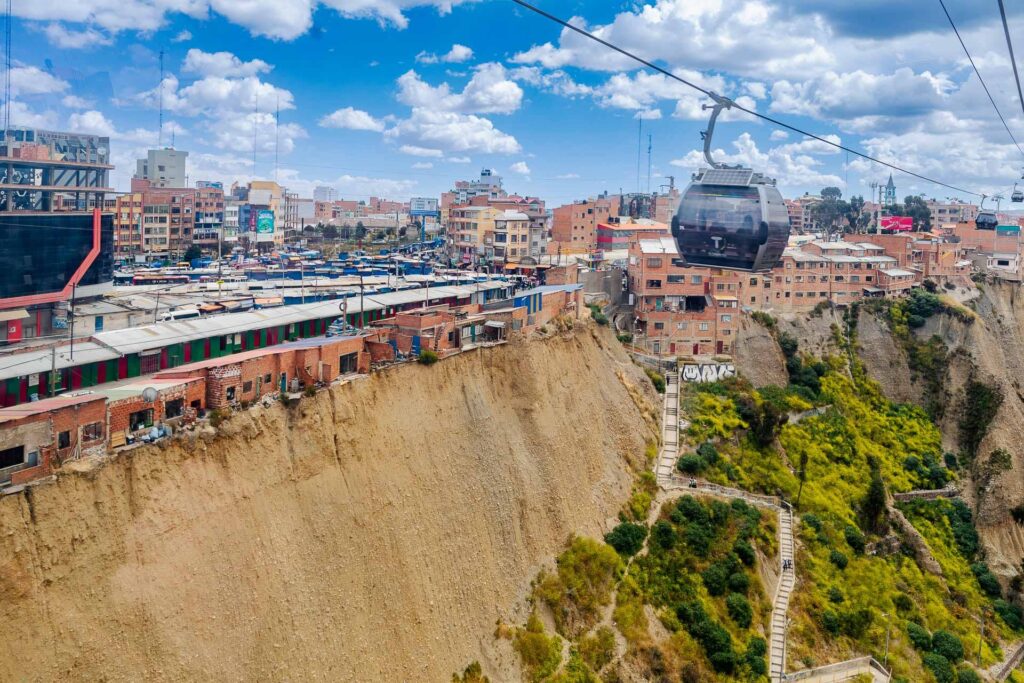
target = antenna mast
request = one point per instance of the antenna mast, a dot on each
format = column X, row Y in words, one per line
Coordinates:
column 7, row 80
column 255, row 118
column 277, row 136
column 639, row 147
column 160, row 134
column 649, row 148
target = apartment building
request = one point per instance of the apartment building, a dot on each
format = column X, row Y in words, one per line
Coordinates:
column 157, row 221
column 619, row 232
column 574, row 226
column 471, row 233
column 678, row 309
column 951, row 212
column 209, row 216
column 533, row 208
column 511, row 238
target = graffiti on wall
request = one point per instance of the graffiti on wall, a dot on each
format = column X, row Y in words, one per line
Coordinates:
column 707, row 372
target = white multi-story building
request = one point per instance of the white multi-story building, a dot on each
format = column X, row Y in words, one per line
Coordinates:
column 163, row 168
column 951, row 212
column 231, row 220
column 324, row 193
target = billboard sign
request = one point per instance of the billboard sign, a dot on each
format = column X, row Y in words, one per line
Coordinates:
column 897, row 223
column 265, row 225
column 423, row 206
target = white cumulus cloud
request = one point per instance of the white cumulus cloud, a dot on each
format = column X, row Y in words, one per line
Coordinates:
column 352, row 119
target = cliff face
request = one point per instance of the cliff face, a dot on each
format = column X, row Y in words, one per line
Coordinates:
column 991, row 349
column 376, row 532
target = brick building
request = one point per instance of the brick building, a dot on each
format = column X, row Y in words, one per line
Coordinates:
column 574, row 226
column 37, row 437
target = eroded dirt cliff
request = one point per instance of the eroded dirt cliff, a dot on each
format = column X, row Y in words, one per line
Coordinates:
column 376, row 532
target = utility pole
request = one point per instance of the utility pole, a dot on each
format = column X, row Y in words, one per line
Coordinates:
column 156, row 308
column 981, row 637
column 888, row 627
column 71, row 313
column 53, row 370
column 362, row 309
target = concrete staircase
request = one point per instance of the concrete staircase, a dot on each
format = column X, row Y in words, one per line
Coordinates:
column 787, row 580
column 669, row 429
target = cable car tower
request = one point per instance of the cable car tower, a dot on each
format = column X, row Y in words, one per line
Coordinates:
column 729, row 216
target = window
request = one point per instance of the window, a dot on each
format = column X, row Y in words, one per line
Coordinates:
column 98, row 323
column 753, row 282
column 696, row 279
column 174, row 408
column 659, row 326
column 726, row 318
column 676, row 279
column 704, row 327
column 654, row 263
column 229, row 394
column 246, row 387
column 654, row 284
column 92, row 431
column 63, row 439
column 9, row 457
column 140, row 419
column 682, row 326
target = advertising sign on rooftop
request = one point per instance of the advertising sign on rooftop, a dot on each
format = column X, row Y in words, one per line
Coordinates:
column 422, row 206
column 265, row 225
column 897, row 223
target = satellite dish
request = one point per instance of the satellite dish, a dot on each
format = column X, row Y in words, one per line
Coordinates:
column 149, row 394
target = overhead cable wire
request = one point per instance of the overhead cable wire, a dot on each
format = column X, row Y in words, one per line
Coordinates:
column 735, row 105
column 1013, row 60
column 978, row 74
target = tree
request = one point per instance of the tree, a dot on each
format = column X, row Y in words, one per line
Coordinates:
column 802, row 475
column 831, row 211
column 627, row 538
column 330, row 232
column 193, row 252
column 916, row 207
column 873, row 507
column 855, row 216
column 360, row 230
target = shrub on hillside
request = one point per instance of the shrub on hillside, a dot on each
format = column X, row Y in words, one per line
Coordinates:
column 987, row 580
column 540, row 654
column 940, row 668
column 691, row 464
column 627, row 538
column 919, row 637
column 657, row 379
column 1010, row 613
column 427, row 357
column 966, row 674
column 838, row 558
column 471, row 674
column 745, row 552
column 855, row 539
column 598, row 648
column 739, row 610
column 948, row 645
column 664, row 534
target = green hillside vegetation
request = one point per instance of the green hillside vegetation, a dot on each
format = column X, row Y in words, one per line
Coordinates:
column 839, row 465
column 686, row 593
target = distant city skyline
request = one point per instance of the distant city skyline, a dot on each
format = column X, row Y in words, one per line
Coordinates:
column 402, row 99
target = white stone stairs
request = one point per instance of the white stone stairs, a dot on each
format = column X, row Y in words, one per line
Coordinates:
column 787, row 580
column 669, row 429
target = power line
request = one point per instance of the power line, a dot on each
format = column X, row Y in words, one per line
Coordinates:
column 980, row 79
column 1013, row 60
column 740, row 107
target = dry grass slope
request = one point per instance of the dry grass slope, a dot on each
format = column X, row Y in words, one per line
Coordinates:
column 374, row 533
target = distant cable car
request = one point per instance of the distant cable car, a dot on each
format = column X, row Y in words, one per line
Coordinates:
column 985, row 220
column 1017, row 196
column 730, row 217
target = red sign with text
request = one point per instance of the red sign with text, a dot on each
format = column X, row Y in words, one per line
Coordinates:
column 897, row 223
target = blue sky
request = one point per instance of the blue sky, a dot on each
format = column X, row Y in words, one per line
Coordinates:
column 403, row 97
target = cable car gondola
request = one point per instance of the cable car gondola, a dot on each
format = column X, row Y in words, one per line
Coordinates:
column 1017, row 196
column 729, row 216
column 985, row 220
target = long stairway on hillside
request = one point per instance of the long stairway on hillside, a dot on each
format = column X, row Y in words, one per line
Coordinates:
column 669, row 428
column 787, row 579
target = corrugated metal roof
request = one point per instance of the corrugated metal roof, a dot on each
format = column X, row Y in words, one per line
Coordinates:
column 47, row 404
column 117, row 343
